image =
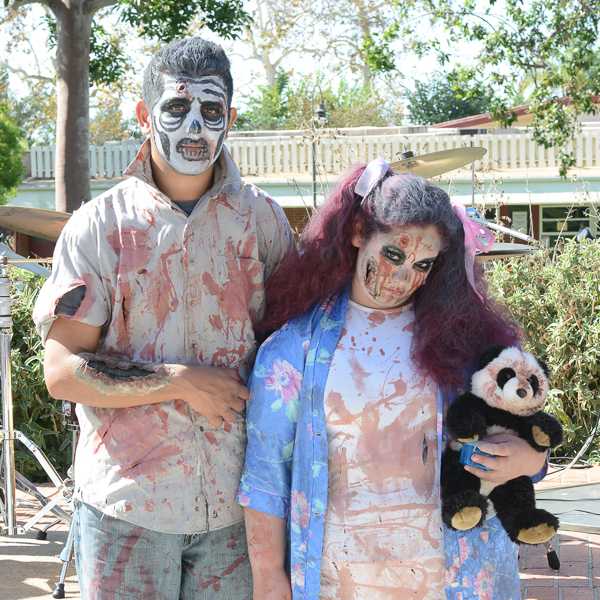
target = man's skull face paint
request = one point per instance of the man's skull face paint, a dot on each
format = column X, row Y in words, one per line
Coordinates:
column 392, row 265
column 190, row 122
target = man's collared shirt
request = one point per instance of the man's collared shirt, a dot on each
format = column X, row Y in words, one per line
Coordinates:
column 166, row 288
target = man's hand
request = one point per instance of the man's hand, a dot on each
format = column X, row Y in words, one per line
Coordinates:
column 514, row 457
column 272, row 584
column 213, row 392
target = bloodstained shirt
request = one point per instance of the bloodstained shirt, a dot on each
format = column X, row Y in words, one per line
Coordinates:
column 166, row 288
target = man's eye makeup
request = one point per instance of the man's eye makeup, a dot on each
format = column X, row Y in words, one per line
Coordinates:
column 176, row 107
column 393, row 254
column 212, row 110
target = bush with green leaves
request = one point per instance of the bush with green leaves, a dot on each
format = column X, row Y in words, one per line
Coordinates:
column 11, row 155
column 555, row 296
column 36, row 415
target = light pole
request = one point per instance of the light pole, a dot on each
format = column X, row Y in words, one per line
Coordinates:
column 319, row 120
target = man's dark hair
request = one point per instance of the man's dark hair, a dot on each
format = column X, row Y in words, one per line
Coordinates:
column 190, row 57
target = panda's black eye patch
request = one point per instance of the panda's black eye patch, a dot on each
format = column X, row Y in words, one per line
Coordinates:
column 534, row 383
column 505, row 375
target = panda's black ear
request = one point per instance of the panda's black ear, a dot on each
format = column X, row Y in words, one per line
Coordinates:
column 489, row 355
column 544, row 367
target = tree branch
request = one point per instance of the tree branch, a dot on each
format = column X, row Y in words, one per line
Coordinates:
column 92, row 6
column 22, row 72
column 17, row 4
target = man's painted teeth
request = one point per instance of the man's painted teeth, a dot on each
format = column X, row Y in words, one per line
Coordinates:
column 193, row 151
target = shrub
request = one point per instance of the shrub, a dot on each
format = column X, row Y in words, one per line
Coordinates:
column 11, row 153
column 556, row 299
column 37, row 415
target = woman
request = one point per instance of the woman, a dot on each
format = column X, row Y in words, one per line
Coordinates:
column 345, row 418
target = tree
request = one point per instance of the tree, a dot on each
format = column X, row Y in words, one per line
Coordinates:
column 81, row 51
column 11, row 155
column 108, row 123
column 36, row 112
column 291, row 104
column 359, row 34
column 346, row 37
column 552, row 43
column 447, row 96
column 279, row 29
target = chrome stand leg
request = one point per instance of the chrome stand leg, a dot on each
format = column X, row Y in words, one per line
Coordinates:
column 8, row 439
column 66, row 556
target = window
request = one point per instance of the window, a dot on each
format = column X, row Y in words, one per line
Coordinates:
column 566, row 221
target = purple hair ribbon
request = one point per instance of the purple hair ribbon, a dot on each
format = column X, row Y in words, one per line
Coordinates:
column 478, row 238
column 370, row 177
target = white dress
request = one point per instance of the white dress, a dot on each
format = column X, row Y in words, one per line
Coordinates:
column 383, row 529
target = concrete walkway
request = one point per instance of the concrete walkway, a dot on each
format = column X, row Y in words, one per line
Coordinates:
column 579, row 553
column 30, row 568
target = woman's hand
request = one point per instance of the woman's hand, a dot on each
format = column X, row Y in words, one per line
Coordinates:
column 514, row 457
column 271, row 584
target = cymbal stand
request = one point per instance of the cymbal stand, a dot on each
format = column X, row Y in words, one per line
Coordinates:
column 9, row 477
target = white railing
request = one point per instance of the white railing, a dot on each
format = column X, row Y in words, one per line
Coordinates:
column 109, row 160
column 281, row 155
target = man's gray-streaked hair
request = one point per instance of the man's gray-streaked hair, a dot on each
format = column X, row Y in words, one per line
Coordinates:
column 190, row 57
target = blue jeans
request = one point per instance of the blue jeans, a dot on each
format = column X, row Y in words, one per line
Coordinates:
column 117, row 560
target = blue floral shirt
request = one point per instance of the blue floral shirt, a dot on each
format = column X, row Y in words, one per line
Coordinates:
column 285, row 472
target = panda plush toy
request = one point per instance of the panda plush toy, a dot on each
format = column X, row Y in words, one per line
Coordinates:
column 507, row 394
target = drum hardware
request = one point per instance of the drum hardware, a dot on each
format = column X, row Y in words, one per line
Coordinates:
column 437, row 163
column 9, row 477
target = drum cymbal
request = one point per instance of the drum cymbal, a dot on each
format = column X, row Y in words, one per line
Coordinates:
column 436, row 163
column 37, row 222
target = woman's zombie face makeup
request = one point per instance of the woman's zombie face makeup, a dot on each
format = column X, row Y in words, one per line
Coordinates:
column 189, row 122
column 392, row 265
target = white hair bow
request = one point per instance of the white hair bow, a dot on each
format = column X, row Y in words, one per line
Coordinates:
column 370, row 177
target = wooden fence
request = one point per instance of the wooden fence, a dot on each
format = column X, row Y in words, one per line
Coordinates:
column 291, row 154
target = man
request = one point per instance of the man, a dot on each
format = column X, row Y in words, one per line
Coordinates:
column 148, row 324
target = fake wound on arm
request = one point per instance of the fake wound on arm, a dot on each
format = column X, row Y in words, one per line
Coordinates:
column 115, row 376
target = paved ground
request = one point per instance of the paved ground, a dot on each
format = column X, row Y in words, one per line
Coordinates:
column 579, row 553
column 29, row 568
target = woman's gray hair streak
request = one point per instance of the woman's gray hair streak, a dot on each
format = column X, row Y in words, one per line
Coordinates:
column 190, row 57
column 409, row 200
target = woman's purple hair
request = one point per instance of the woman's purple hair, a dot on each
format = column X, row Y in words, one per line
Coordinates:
column 453, row 325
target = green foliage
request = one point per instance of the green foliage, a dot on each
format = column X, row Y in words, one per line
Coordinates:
column 11, row 155
column 164, row 20
column 291, row 105
column 35, row 413
column 378, row 53
column 556, row 299
column 169, row 19
column 553, row 44
column 447, row 96
column 107, row 59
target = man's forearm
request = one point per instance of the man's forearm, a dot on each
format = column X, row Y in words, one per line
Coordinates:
column 106, row 382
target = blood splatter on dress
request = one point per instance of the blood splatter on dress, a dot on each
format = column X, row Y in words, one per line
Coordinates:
column 383, row 527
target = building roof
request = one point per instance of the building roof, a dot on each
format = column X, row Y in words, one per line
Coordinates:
column 486, row 121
